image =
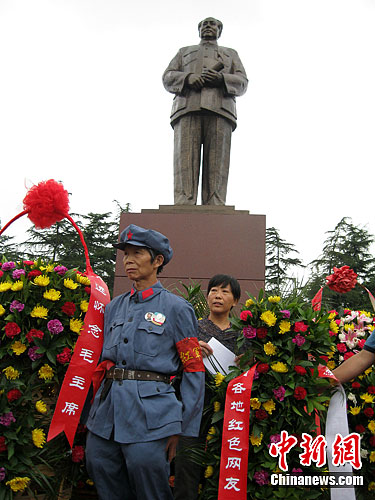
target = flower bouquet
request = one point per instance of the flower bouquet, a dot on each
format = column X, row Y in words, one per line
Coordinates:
column 286, row 338
column 42, row 308
column 350, row 332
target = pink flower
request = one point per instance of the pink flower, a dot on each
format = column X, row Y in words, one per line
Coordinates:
column 286, row 313
column 341, row 347
column 279, row 393
column 249, row 332
column 261, row 477
column 299, row 340
column 244, row 315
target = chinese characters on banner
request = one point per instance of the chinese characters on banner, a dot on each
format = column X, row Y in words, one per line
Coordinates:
column 344, row 450
column 82, row 365
column 235, row 439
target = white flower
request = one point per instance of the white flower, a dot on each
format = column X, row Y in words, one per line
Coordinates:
column 352, row 397
column 364, row 453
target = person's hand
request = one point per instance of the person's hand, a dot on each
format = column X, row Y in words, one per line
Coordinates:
column 212, row 77
column 237, row 359
column 195, row 81
column 206, row 349
column 171, row 447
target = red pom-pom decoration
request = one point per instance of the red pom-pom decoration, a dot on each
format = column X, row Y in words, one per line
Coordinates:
column 342, row 280
column 46, row 203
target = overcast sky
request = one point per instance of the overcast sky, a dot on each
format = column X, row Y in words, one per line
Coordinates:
column 82, row 101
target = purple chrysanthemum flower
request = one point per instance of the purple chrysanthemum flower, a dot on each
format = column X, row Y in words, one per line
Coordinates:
column 299, row 340
column 8, row 266
column 261, row 477
column 279, row 393
column 61, row 270
column 249, row 332
column 16, row 306
column 17, row 273
column 2, row 473
column 33, row 355
column 286, row 313
column 7, row 418
column 55, row 326
column 275, row 438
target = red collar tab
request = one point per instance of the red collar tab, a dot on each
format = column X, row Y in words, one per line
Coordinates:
column 147, row 293
column 132, row 292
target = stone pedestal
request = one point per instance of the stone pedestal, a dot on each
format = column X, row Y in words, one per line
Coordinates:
column 206, row 240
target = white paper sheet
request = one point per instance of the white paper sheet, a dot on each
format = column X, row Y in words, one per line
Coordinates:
column 221, row 359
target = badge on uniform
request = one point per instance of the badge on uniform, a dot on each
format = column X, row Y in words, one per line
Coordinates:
column 156, row 318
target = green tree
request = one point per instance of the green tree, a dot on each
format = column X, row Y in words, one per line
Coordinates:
column 9, row 250
column 279, row 262
column 348, row 244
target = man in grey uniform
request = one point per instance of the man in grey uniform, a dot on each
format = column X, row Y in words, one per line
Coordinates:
column 205, row 79
column 136, row 419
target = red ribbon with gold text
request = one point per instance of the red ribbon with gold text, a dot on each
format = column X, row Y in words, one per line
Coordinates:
column 235, row 439
column 86, row 355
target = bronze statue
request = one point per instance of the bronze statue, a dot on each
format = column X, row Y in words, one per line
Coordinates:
column 205, row 79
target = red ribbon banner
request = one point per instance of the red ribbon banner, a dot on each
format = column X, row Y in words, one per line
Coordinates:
column 86, row 355
column 235, row 440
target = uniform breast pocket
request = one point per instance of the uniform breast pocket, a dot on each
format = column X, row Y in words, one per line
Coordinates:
column 112, row 339
column 148, row 338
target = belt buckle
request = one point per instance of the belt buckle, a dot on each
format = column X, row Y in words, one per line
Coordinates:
column 131, row 374
column 120, row 376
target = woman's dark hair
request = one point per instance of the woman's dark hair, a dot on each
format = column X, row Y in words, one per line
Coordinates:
column 225, row 280
column 153, row 254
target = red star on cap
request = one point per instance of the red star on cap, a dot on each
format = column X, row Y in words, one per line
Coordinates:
column 130, row 235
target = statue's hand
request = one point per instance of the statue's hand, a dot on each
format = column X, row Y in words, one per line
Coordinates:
column 212, row 77
column 195, row 81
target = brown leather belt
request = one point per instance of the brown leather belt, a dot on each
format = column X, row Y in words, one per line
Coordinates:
column 122, row 374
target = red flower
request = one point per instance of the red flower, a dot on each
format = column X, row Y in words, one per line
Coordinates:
column 244, row 315
column 300, row 370
column 12, row 329
column 369, row 412
column 371, row 389
column 34, row 333
column 261, row 414
column 342, row 280
column 64, row 356
column 348, row 355
column 13, row 395
column 1, row 273
column 324, row 358
column 46, row 203
column 32, row 274
column 372, row 441
column 68, row 308
column 262, row 332
column 300, row 392
column 359, row 428
column 300, row 326
column 341, row 347
column 262, row 368
column 78, row 452
column 356, row 385
column 87, row 290
column 3, row 446
column 28, row 262
column 361, row 343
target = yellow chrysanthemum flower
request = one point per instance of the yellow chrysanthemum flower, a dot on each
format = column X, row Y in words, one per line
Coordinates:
column 212, row 431
column 256, row 440
column 367, row 398
column 354, row 410
column 11, row 373
column 331, row 364
column 333, row 326
column 18, row 483
column 284, row 326
column 269, row 318
column 39, row 437
column 249, row 302
column 372, row 456
column 368, row 371
column 90, row 482
column 371, row 486
column 39, row 312
column 76, row 325
column 17, row 286
column 217, row 406
column 2, row 310
column 68, row 283
column 349, row 326
column 269, row 406
column 46, row 372
column 332, row 315
column 84, row 305
column 52, row 294
column 274, row 299
column 18, row 347
column 209, row 471
column 371, row 426
column 255, row 403
column 5, row 286
column 42, row 280
column 83, row 280
column 219, row 377
column 279, row 367
column 269, row 349
column 47, row 269
column 41, row 406
column 370, row 327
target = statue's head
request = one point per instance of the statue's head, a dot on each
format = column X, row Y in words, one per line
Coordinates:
column 210, row 28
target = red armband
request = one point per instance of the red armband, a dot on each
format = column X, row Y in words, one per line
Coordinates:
column 190, row 354
column 99, row 375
